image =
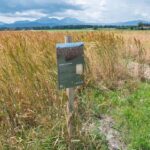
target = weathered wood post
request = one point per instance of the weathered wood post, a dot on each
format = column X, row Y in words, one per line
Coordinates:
column 70, row 105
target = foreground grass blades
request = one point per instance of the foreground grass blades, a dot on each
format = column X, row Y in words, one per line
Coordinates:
column 133, row 117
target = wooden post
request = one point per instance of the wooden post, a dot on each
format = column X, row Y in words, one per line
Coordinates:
column 68, row 39
column 70, row 105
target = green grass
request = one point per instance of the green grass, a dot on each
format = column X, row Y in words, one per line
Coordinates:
column 130, row 107
column 133, row 117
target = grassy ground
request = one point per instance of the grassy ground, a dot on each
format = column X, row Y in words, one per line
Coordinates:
column 130, row 110
column 33, row 111
column 133, row 117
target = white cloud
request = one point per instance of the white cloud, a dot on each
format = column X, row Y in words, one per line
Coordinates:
column 9, row 19
column 31, row 13
column 89, row 10
column 19, row 16
column 93, row 10
column 108, row 11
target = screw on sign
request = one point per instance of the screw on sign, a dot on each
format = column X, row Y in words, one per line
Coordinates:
column 70, row 64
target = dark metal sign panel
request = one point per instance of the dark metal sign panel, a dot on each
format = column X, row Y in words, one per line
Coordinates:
column 70, row 62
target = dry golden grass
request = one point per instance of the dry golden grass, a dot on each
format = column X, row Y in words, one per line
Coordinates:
column 31, row 107
column 131, row 47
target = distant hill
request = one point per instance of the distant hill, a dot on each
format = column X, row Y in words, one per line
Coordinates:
column 130, row 23
column 71, row 21
column 51, row 22
column 54, row 22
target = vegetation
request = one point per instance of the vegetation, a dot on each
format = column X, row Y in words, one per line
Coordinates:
column 132, row 115
column 33, row 110
column 140, row 26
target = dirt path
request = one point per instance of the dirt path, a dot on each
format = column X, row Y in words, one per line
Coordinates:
column 113, row 137
column 105, row 126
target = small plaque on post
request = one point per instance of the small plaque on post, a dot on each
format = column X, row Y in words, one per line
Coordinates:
column 70, row 62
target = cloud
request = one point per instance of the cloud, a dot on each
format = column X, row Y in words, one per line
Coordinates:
column 93, row 10
column 99, row 11
column 35, row 8
column 11, row 6
column 108, row 11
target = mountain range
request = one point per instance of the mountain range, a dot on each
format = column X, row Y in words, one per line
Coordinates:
column 43, row 22
column 53, row 22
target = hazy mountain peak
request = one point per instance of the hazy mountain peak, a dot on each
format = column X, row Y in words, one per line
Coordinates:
column 130, row 23
column 69, row 18
column 64, row 21
column 44, row 21
column 71, row 21
column 22, row 22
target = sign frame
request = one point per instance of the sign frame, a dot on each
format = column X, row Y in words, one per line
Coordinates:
column 70, row 64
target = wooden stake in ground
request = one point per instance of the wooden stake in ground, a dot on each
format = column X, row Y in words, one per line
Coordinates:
column 70, row 105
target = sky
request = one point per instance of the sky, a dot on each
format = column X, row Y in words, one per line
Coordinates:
column 91, row 11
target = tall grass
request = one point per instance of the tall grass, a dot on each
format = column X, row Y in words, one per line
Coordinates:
column 27, row 82
column 105, row 56
column 32, row 110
